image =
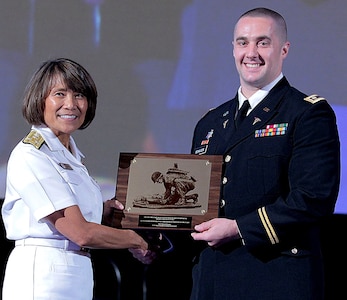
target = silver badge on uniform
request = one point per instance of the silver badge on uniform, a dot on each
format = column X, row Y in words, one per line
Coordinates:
column 65, row 166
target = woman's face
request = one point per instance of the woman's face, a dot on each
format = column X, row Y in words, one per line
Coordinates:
column 65, row 110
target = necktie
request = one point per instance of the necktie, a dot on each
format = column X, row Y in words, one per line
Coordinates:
column 241, row 114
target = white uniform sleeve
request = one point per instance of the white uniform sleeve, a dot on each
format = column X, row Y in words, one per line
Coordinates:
column 33, row 178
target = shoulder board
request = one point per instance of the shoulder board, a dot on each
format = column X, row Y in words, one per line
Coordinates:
column 34, row 138
column 313, row 99
column 207, row 112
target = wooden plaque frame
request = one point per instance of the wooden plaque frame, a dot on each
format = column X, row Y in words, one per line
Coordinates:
column 145, row 206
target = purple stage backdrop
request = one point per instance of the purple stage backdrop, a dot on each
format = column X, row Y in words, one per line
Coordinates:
column 159, row 66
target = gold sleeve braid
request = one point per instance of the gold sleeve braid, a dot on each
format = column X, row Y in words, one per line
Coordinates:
column 270, row 231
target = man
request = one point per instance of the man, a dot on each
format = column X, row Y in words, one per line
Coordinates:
column 177, row 184
column 280, row 178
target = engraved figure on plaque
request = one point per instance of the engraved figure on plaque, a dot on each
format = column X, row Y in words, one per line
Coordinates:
column 177, row 184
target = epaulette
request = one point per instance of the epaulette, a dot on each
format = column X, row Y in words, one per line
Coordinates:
column 313, row 99
column 34, row 138
column 207, row 112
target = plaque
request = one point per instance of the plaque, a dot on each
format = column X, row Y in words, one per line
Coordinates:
column 167, row 191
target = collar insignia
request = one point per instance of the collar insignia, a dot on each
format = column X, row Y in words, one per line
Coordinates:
column 225, row 123
column 256, row 120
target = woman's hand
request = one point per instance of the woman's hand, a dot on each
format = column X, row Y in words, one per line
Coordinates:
column 144, row 256
column 109, row 207
column 113, row 203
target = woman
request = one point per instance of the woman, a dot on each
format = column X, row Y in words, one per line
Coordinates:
column 53, row 209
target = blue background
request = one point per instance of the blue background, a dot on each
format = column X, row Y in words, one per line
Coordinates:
column 159, row 66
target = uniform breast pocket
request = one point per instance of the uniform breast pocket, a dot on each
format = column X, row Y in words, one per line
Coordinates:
column 269, row 172
column 95, row 183
column 72, row 177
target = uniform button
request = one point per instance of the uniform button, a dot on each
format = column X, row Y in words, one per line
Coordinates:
column 222, row 203
column 227, row 158
column 225, row 180
column 294, row 250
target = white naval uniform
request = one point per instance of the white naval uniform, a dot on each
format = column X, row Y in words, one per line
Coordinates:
column 41, row 180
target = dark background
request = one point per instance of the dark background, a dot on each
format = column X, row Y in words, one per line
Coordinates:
column 118, row 276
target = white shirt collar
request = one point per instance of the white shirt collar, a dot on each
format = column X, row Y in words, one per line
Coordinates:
column 259, row 95
column 54, row 144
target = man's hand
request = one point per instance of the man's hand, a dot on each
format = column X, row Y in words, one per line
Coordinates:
column 216, row 232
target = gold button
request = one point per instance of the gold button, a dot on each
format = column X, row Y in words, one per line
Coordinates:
column 222, row 203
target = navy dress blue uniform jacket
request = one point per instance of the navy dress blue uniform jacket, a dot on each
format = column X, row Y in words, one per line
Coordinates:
column 281, row 176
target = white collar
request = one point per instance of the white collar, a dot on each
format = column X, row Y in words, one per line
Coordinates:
column 54, row 144
column 259, row 95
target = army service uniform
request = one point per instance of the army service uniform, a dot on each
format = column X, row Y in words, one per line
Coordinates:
column 280, row 177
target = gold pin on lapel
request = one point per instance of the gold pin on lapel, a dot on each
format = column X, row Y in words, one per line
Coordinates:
column 256, row 120
column 225, row 123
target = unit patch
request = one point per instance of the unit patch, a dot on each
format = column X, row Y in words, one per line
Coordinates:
column 204, row 143
column 34, row 138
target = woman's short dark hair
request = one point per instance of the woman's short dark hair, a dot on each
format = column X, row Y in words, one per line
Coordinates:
column 72, row 74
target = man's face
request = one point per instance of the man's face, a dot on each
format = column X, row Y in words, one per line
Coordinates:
column 259, row 51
